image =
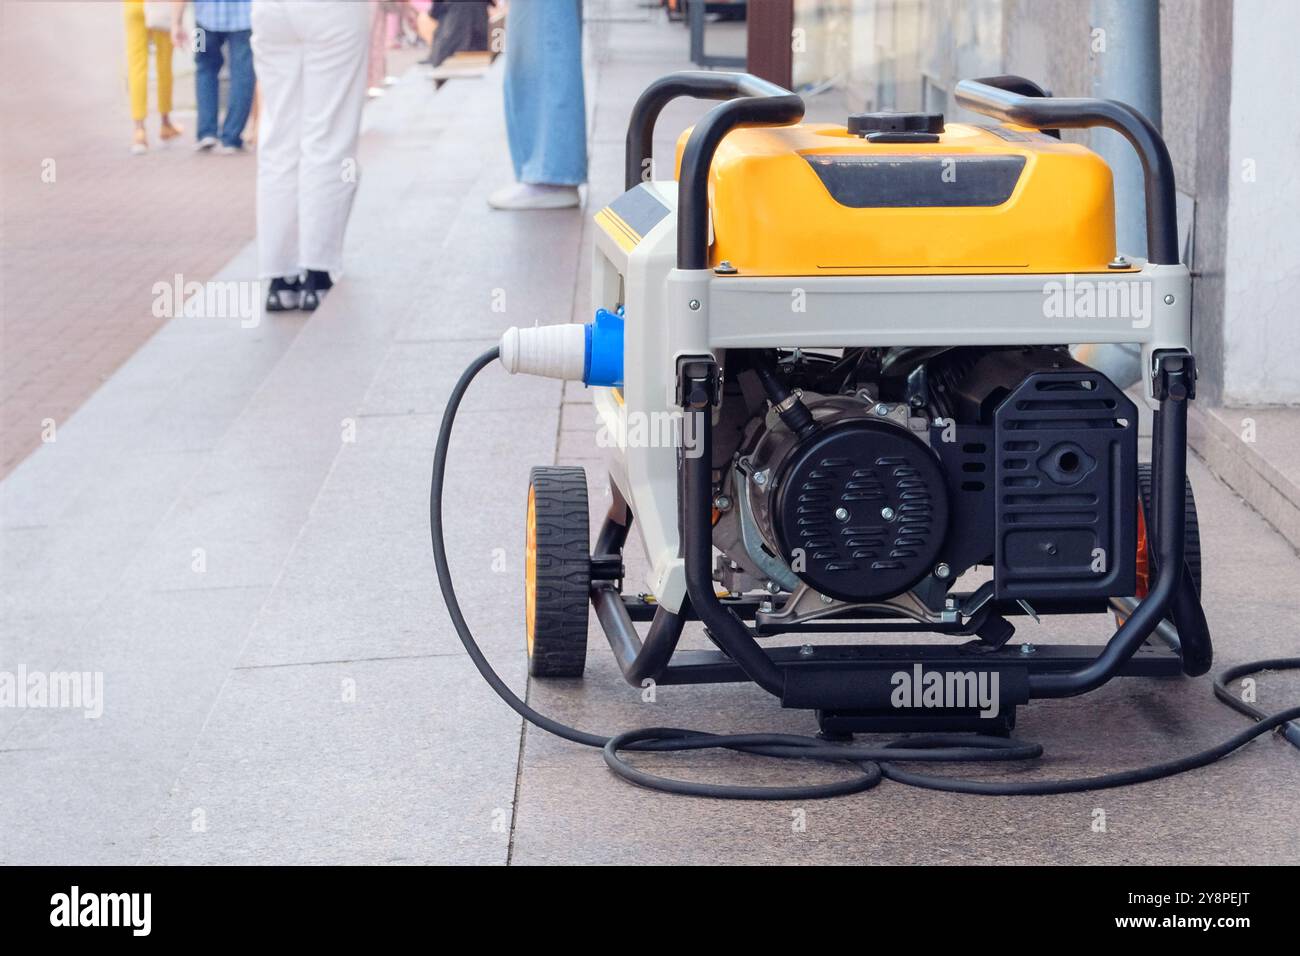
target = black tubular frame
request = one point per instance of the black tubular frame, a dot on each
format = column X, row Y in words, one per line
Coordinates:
column 638, row 660
column 1170, row 592
column 1005, row 98
column 1065, row 671
column 1175, row 384
column 699, row 387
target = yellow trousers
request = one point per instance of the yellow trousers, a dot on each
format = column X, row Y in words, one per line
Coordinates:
column 137, row 61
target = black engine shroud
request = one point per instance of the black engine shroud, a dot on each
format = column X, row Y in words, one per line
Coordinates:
column 861, row 510
column 1066, row 475
column 1030, row 467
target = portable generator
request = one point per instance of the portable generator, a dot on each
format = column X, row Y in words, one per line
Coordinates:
column 834, row 365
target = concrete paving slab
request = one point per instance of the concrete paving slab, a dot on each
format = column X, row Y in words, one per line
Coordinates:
column 82, row 790
column 385, row 475
column 360, row 762
column 1257, row 452
column 417, row 377
column 364, row 553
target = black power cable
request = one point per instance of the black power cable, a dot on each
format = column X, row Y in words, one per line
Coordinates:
column 872, row 763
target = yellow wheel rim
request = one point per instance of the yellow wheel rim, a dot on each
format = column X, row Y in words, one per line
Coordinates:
column 530, row 569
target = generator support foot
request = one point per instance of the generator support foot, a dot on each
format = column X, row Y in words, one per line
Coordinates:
column 843, row 724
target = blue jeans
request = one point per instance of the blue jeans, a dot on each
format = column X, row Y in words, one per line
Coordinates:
column 546, row 116
column 207, row 68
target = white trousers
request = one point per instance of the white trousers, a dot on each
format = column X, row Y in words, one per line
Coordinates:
column 310, row 57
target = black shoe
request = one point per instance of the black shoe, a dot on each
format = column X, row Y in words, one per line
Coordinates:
column 314, row 289
column 284, row 295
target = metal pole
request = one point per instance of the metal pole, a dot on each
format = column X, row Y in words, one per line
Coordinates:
column 1126, row 67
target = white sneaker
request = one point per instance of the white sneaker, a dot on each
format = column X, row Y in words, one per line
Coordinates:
column 230, row 150
column 534, row 196
column 207, row 142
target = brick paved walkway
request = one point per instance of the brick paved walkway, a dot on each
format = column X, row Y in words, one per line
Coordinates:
column 82, row 253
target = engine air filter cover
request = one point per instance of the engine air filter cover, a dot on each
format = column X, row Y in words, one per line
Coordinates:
column 861, row 510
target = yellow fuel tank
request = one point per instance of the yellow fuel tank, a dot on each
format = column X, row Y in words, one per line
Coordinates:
column 814, row 199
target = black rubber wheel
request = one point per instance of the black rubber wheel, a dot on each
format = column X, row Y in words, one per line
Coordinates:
column 557, row 571
column 1192, row 528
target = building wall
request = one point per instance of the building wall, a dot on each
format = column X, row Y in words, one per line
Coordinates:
column 1201, row 163
column 1049, row 42
column 1181, row 25
column 1261, row 361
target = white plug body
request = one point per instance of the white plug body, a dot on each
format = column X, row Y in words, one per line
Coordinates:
column 553, row 351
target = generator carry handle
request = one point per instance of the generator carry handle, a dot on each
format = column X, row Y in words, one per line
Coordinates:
column 751, row 101
column 697, row 84
column 1004, row 98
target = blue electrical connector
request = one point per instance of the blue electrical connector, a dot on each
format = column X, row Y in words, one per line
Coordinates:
column 604, row 360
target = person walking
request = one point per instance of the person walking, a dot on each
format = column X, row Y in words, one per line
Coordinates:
column 311, row 58
column 461, row 25
column 546, row 116
column 145, row 26
column 220, row 24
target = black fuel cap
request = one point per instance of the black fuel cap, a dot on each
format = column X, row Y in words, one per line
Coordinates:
column 896, row 127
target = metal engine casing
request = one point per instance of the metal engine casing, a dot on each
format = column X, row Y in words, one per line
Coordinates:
column 858, row 510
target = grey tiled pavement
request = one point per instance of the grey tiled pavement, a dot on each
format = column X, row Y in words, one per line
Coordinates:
column 304, row 699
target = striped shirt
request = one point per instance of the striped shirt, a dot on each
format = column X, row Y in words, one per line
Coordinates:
column 223, row 16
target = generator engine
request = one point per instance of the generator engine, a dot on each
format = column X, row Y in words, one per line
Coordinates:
column 884, row 472
column 859, row 507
